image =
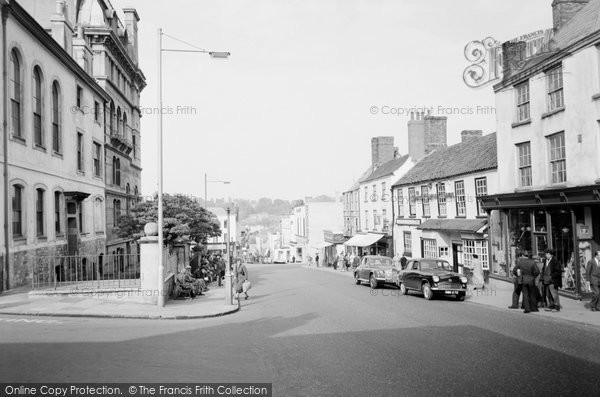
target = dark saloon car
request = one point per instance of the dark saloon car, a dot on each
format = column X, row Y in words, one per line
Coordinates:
column 432, row 277
column 375, row 270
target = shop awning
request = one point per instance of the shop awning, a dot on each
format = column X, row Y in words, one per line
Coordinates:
column 459, row 225
column 364, row 240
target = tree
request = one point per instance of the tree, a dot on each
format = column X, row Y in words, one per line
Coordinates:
column 182, row 216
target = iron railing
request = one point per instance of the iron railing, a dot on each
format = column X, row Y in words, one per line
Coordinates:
column 79, row 272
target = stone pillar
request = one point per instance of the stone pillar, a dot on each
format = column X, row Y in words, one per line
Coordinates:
column 149, row 264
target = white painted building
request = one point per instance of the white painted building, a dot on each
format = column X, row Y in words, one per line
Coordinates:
column 436, row 207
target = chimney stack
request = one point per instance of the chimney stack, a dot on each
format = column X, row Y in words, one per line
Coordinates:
column 131, row 20
column 564, row 10
column 426, row 134
column 382, row 150
column 62, row 31
column 465, row 135
column 513, row 57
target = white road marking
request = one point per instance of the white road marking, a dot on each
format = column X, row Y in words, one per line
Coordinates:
column 30, row 320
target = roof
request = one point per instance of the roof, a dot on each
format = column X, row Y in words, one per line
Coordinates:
column 461, row 225
column 364, row 175
column 474, row 155
column 386, row 169
column 218, row 211
column 584, row 23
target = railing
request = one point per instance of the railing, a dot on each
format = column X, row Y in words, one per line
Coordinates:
column 82, row 272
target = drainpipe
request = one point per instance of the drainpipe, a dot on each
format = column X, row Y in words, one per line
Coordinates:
column 4, row 285
column 393, row 224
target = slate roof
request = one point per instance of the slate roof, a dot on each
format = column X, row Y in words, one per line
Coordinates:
column 584, row 23
column 356, row 185
column 474, row 155
column 386, row 169
column 462, row 225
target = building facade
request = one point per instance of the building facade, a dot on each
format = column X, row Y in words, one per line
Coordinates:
column 547, row 113
column 219, row 243
column 52, row 150
column 436, row 207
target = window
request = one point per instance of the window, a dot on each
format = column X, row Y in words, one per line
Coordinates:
column 459, row 191
column 116, row 171
column 15, row 93
column 480, row 190
column 56, row 141
column 96, row 112
column 112, row 118
column 430, row 248
column 384, row 219
column 125, row 125
column 524, row 153
column 366, row 220
column 57, row 212
column 555, row 89
column 134, row 144
column 558, row 162
column 119, row 125
column 441, row 197
column 39, row 212
column 79, row 151
column 523, row 102
column 97, row 156
column 444, row 251
column 478, row 247
column 116, row 211
column 407, row 243
column 37, row 107
column 375, row 219
column 412, row 203
column 400, row 203
column 80, row 214
column 366, row 194
column 425, row 201
column 17, row 211
column 382, row 189
column 374, row 196
column 79, row 97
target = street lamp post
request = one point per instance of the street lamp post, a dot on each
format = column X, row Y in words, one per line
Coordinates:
column 213, row 54
column 228, row 274
column 206, row 181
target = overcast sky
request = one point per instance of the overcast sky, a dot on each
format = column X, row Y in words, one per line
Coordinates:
column 288, row 115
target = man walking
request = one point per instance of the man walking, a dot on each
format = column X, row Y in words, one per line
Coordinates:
column 518, row 282
column 556, row 276
column 529, row 272
column 592, row 272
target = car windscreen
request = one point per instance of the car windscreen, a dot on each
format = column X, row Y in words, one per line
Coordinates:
column 380, row 263
column 435, row 265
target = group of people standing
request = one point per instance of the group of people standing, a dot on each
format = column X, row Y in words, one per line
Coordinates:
column 539, row 286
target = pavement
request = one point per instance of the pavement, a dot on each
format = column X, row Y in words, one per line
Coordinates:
column 498, row 293
column 24, row 302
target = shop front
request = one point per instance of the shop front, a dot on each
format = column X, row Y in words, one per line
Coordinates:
column 370, row 244
column 456, row 240
column 564, row 220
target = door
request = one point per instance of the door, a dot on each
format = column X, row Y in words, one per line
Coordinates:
column 457, row 257
column 72, row 228
column 412, row 270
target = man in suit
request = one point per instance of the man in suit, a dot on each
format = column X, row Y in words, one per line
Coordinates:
column 556, row 277
column 592, row 271
column 529, row 272
column 518, row 282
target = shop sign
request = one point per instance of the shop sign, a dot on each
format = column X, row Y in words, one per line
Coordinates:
column 584, row 232
column 408, row 222
column 333, row 238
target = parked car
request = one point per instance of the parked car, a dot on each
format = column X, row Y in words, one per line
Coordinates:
column 376, row 270
column 432, row 277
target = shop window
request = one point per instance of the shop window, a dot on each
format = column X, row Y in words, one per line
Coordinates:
column 412, row 202
column 476, row 247
column 562, row 243
column 520, row 229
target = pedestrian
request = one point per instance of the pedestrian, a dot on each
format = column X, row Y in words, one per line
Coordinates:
column 529, row 271
column 346, row 262
column 241, row 275
column 477, row 271
column 517, row 283
column 317, row 259
column 592, row 272
column 403, row 261
column 556, row 280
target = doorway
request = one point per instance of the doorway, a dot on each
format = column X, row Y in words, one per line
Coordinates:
column 457, row 257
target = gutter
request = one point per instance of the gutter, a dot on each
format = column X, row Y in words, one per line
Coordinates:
column 4, row 284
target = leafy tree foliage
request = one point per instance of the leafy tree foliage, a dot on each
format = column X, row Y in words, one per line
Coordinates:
column 182, row 216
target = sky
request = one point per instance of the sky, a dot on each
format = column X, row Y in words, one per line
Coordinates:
column 290, row 113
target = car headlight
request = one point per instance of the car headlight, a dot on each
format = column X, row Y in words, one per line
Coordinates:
column 463, row 280
column 436, row 279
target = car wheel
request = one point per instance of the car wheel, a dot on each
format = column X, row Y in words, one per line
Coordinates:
column 403, row 289
column 461, row 296
column 373, row 282
column 427, row 292
column 356, row 280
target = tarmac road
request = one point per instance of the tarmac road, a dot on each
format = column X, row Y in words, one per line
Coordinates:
column 314, row 333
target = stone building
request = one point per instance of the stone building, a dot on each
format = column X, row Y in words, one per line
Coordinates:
column 53, row 200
